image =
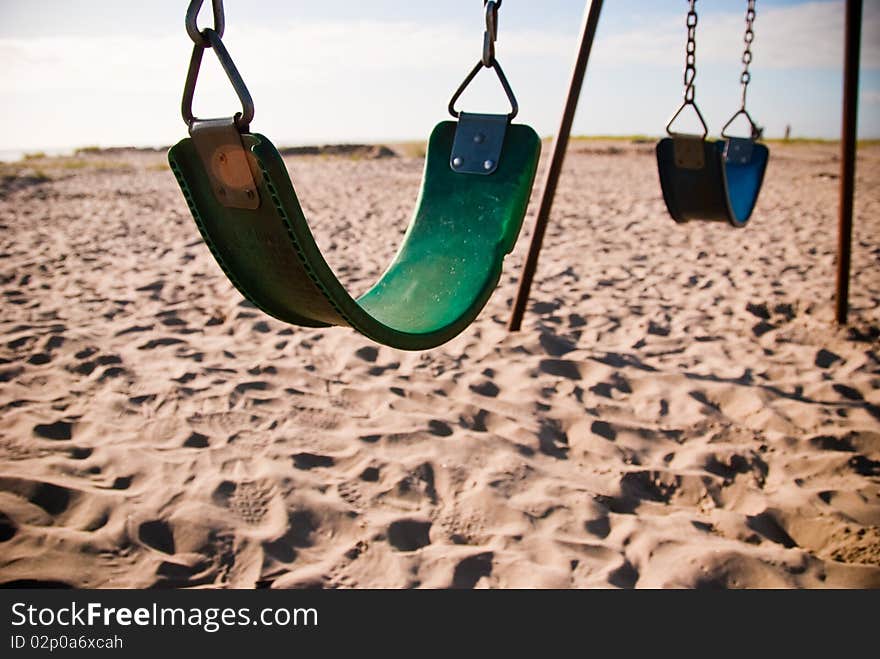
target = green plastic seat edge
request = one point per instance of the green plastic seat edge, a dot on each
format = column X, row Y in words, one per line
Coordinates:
column 275, row 186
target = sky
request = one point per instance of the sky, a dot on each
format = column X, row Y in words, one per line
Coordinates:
column 110, row 73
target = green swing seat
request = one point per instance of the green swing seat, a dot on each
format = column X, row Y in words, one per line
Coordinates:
column 478, row 176
column 442, row 276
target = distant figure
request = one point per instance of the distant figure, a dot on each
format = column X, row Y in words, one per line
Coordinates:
column 787, row 132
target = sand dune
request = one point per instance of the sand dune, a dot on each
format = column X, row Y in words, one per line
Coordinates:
column 679, row 411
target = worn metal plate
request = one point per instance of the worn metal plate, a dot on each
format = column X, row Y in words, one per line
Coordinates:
column 738, row 150
column 479, row 138
column 688, row 151
column 227, row 163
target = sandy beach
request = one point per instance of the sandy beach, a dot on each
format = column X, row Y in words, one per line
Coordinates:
column 680, row 409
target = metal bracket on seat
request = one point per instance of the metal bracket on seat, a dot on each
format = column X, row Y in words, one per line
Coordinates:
column 688, row 151
column 227, row 163
column 478, row 141
column 738, row 150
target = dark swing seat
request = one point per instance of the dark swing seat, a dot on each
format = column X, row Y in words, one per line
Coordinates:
column 711, row 180
column 714, row 180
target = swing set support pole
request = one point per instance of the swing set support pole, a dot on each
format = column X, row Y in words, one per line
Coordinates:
column 848, row 154
column 551, row 178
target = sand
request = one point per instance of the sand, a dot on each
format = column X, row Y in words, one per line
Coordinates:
column 679, row 411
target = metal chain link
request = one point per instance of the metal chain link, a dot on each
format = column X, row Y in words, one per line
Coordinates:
column 490, row 35
column 690, row 71
column 690, row 60
column 192, row 15
column 746, row 76
column 211, row 38
column 487, row 60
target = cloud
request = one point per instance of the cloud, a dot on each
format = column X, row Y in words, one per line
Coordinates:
column 805, row 36
column 794, row 37
column 378, row 79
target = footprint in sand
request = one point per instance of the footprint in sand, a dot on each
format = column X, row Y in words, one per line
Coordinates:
column 158, row 343
column 8, row 528
column 648, row 486
column 134, row 329
column 255, row 502
column 557, row 346
column 9, row 374
column 315, row 419
column 40, row 358
column 370, row 475
column 626, row 576
column 52, row 499
column 599, row 527
column 21, row 341
column 196, row 440
column 848, row 392
column 225, row 424
column 351, row 494
column 552, row 439
column 604, row 429
column 409, row 534
column 864, row 466
column 59, row 430
column 368, row 354
column 87, row 366
column 562, row 368
column 637, row 487
column 158, row 535
column 252, row 442
column 832, row 443
column 470, row 570
column 439, row 428
column 301, row 527
column 487, row 388
column 417, row 484
column 825, row 358
column 153, row 288
column 308, row 461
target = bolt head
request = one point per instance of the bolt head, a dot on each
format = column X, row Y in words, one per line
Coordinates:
column 479, row 138
column 457, row 162
column 489, row 164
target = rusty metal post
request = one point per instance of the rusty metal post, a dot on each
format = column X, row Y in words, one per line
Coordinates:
column 848, row 153
column 551, row 178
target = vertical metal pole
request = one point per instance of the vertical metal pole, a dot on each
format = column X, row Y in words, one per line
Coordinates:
column 848, row 153
column 551, row 178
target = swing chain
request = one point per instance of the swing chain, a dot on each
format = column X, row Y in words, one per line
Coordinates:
column 690, row 72
column 746, row 76
column 192, row 16
column 488, row 61
column 490, row 35
column 210, row 38
column 690, row 60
